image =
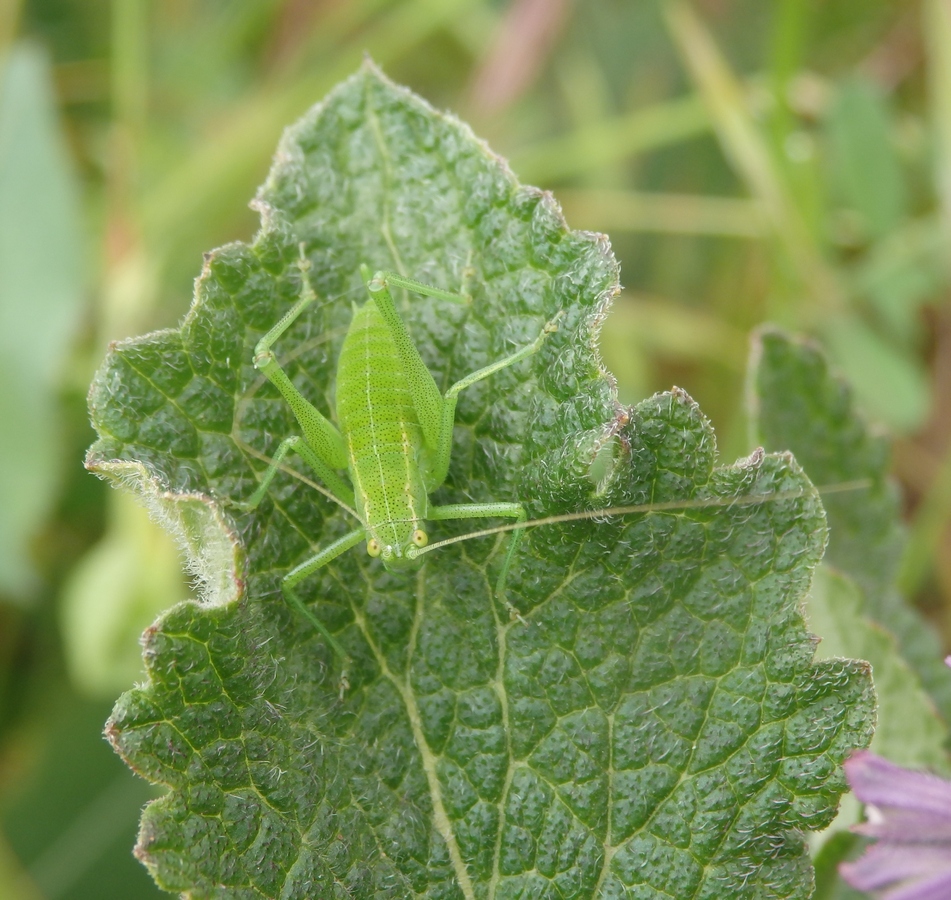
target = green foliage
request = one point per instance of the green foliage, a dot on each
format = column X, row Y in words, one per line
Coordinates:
column 909, row 730
column 41, row 291
column 798, row 404
column 887, row 380
column 113, row 594
column 867, row 172
column 651, row 724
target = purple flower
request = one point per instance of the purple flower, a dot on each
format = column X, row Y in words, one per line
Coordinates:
column 910, row 814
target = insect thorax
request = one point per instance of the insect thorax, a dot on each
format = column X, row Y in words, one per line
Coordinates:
column 384, row 441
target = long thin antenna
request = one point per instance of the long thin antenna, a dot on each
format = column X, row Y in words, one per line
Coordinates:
column 668, row 506
column 257, row 454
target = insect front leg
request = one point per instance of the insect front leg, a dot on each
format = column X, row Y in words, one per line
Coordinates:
column 323, row 447
column 307, row 568
column 488, row 511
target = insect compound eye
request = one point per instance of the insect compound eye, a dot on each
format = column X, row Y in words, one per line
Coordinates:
column 373, row 547
column 420, row 538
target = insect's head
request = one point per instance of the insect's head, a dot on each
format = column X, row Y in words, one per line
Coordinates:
column 402, row 548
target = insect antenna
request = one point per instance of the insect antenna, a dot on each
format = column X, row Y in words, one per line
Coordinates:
column 290, row 470
column 668, row 506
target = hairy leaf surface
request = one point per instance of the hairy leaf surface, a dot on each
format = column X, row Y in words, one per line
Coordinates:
column 651, row 723
column 799, row 404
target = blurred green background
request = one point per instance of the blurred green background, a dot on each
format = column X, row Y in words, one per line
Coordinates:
column 786, row 161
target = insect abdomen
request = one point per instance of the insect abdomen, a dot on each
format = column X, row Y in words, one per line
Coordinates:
column 376, row 414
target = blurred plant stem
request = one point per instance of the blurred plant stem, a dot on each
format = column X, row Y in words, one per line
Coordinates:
column 203, row 189
column 587, row 98
column 801, row 266
column 524, row 38
column 594, row 145
column 927, row 528
column 15, row 881
column 9, row 21
column 670, row 213
column 937, row 33
column 130, row 71
column 788, row 38
column 129, row 283
column 797, row 166
column 933, row 514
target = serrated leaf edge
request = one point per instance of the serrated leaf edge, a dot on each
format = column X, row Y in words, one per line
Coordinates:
column 212, row 551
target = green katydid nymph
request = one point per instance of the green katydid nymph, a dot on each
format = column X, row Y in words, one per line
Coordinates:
column 393, row 435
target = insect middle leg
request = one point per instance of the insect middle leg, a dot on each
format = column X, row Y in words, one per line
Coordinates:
column 488, row 511
column 321, row 436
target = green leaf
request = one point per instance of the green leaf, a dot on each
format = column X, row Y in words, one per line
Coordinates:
column 866, row 170
column 41, row 292
column 909, row 731
column 114, row 592
column 841, row 846
column 901, row 273
column 650, row 724
column 890, row 382
column 800, row 405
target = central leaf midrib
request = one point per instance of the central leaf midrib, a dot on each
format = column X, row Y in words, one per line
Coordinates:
column 427, row 757
column 403, row 685
column 498, row 685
